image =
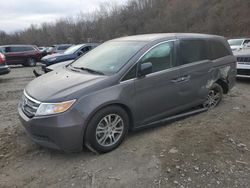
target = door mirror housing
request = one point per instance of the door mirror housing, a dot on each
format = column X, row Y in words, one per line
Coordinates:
column 145, row 68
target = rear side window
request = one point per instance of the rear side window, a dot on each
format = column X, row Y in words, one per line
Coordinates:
column 20, row 49
column 192, row 51
column 28, row 48
column 218, row 50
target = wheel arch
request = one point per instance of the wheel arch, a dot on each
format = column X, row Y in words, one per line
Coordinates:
column 121, row 105
column 223, row 83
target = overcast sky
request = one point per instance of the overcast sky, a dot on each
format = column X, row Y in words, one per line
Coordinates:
column 19, row 14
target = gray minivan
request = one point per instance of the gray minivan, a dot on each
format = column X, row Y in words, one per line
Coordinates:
column 126, row 84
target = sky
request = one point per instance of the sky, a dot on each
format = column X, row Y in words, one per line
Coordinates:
column 17, row 15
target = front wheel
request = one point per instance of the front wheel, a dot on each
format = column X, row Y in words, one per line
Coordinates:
column 107, row 129
column 214, row 97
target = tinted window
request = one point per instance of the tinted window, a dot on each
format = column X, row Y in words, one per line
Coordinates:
column 160, row 56
column 218, row 50
column 86, row 49
column 192, row 51
column 246, row 41
column 131, row 74
column 16, row 49
column 27, row 48
column 235, row 42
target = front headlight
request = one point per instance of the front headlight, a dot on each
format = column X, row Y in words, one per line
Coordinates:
column 53, row 108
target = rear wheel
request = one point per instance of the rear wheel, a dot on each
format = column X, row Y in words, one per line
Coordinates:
column 214, row 97
column 107, row 129
column 31, row 62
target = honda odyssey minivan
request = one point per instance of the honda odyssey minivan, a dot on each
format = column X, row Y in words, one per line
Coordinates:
column 126, row 84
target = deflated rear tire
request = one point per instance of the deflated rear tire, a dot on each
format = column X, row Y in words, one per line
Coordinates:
column 107, row 129
column 214, row 97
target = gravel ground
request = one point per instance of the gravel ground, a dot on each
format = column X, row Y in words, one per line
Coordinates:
column 210, row 149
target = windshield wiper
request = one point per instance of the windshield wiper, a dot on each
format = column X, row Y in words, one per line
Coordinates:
column 89, row 70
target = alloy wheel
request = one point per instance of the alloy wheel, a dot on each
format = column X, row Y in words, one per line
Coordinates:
column 109, row 130
column 213, row 98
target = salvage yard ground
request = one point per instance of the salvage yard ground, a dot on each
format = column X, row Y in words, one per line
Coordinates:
column 211, row 149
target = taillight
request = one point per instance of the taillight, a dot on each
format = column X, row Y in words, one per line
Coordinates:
column 2, row 58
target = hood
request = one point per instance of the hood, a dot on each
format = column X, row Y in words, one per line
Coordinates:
column 62, row 85
column 59, row 65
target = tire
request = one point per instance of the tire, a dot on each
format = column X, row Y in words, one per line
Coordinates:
column 101, row 136
column 31, row 62
column 215, row 95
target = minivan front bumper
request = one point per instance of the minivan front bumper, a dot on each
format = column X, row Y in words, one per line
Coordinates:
column 63, row 131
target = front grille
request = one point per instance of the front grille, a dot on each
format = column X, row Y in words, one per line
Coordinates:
column 29, row 105
column 243, row 59
column 243, row 72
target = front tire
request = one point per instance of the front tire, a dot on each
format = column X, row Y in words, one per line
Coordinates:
column 107, row 129
column 214, row 97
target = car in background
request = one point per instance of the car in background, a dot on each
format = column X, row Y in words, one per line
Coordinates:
column 58, row 48
column 43, row 50
column 237, row 44
column 26, row 55
column 243, row 63
column 70, row 54
column 4, row 69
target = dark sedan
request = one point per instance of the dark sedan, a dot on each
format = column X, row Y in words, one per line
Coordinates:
column 70, row 54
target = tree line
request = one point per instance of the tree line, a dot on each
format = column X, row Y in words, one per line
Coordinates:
column 229, row 18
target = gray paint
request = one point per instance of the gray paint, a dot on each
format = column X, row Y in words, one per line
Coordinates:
column 147, row 99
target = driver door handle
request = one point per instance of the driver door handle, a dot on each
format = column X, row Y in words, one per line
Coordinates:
column 181, row 79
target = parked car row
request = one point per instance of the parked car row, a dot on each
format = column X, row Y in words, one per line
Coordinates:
column 70, row 54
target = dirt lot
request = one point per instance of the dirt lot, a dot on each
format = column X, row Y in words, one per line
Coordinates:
column 210, row 149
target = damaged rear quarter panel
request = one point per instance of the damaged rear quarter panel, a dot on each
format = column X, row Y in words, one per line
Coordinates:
column 223, row 69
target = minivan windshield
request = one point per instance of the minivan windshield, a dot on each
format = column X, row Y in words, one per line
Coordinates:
column 235, row 42
column 109, row 57
column 72, row 49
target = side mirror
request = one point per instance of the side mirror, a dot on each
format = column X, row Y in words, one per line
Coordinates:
column 145, row 68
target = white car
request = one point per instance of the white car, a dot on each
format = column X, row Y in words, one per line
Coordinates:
column 243, row 63
column 238, row 44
